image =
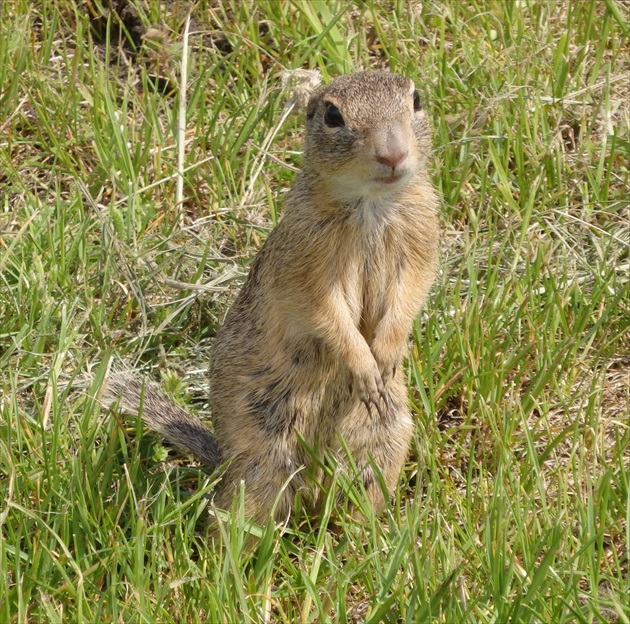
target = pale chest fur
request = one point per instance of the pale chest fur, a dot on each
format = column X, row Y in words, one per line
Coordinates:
column 374, row 253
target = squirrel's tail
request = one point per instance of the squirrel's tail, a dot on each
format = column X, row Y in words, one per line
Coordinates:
column 161, row 414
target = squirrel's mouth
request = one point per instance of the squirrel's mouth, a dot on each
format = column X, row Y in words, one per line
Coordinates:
column 392, row 179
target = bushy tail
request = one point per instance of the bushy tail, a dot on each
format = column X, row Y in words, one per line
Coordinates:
column 161, row 414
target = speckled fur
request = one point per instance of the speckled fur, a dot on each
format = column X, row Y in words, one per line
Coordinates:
column 312, row 346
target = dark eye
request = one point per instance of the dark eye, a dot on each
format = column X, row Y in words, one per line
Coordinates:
column 417, row 104
column 332, row 117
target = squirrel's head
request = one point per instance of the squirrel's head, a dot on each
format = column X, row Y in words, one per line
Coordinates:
column 367, row 135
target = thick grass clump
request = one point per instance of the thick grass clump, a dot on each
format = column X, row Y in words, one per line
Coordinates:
column 515, row 503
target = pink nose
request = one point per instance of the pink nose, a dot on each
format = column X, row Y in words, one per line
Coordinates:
column 393, row 159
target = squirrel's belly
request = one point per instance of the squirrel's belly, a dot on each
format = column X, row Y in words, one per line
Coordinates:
column 306, row 391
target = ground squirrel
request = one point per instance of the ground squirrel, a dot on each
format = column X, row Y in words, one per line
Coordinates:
column 311, row 350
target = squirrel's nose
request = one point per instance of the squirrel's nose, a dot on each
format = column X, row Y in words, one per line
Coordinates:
column 392, row 159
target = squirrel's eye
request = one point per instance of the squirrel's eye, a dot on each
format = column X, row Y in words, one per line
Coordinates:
column 332, row 117
column 417, row 104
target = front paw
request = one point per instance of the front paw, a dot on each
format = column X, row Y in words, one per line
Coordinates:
column 388, row 361
column 388, row 371
column 371, row 391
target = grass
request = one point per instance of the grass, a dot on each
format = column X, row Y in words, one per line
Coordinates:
column 515, row 503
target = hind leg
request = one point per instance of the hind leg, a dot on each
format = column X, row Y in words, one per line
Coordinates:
column 262, row 491
column 378, row 441
column 272, row 477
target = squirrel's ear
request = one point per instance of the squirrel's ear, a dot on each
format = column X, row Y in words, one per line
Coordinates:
column 417, row 102
column 311, row 108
